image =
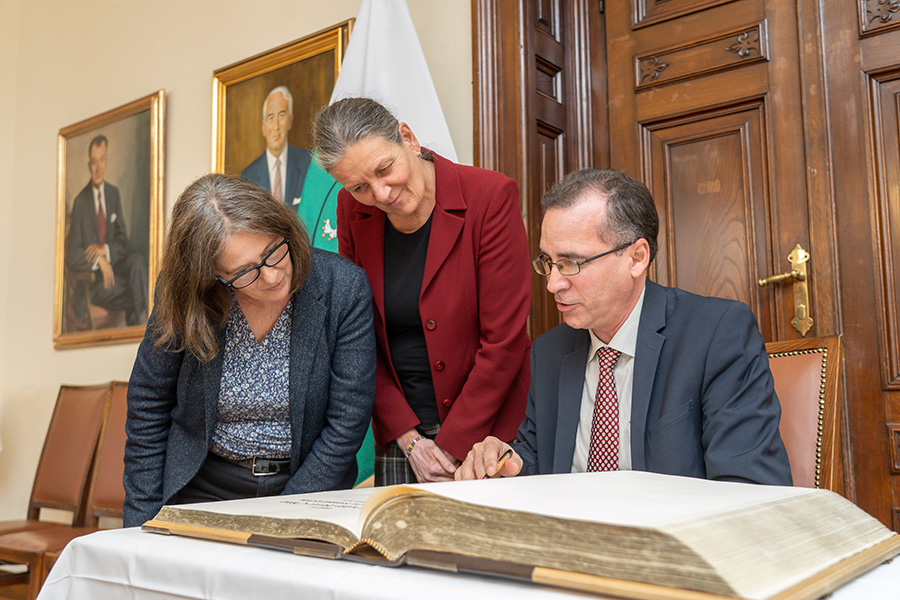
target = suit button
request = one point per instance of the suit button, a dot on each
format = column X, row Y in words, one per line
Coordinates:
column 438, row 365
column 447, row 402
column 430, row 324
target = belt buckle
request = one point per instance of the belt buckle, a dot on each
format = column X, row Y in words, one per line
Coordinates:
column 265, row 473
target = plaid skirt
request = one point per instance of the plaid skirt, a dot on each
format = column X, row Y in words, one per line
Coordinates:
column 391, row 467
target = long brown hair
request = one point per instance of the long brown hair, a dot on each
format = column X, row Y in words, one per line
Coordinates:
column 191, row 304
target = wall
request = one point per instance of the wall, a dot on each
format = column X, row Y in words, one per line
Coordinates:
column 9, row 13
column 70, row 61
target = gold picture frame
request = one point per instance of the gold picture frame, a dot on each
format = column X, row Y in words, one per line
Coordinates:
column 106, row 263
column 307, row 69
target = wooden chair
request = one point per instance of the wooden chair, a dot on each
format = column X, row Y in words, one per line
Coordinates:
column 62, row 473
column 807, row 380
column 39, row 548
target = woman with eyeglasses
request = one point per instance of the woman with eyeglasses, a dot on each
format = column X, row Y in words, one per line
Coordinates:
column 257, row 371
column 446, row 254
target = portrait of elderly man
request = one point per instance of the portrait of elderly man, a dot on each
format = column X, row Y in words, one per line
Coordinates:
column 97, row 244
column 281, row 168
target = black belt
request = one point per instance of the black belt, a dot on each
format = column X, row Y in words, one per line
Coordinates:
column 260, row 467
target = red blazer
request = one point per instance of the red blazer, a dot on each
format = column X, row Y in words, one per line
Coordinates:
column 476, row 295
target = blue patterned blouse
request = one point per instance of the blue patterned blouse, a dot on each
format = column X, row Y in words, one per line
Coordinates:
column 253, row 409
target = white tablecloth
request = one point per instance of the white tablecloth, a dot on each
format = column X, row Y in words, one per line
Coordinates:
column 129, row 563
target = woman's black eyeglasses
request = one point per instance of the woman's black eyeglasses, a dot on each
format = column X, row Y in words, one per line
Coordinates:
column 248, row 276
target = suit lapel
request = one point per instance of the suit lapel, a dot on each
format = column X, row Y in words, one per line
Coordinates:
column 296, row 173
column 446, row 226
column 368, row 233
column 571, row 383
column 307, row 316
column 212, row 381
column 649, row 345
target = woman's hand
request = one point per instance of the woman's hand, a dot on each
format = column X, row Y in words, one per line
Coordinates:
column 428, row 461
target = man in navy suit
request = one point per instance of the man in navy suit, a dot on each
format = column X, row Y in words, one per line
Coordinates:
column 97, row 243
column 639, row 376
column 281, row 169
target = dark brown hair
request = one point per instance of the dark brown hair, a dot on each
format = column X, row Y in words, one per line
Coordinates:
column 630, row 210
column 191, row 304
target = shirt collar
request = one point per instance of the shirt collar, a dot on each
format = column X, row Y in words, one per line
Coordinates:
column 270, row 159
column 625, row 339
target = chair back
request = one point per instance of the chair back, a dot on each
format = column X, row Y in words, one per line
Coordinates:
column 807, row 381
column 107, row 492
column 62, row 473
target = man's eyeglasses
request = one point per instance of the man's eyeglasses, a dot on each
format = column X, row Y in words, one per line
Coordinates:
column 567, row 266
column 248, row 276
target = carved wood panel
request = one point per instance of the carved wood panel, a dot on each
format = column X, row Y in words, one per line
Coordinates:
column 878, row 16
column 533, row 67
column 707, row 175
column 885, row 98
column 704, row 56
column 648, row 12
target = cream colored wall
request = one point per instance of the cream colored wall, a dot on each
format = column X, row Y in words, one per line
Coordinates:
column 71, row 60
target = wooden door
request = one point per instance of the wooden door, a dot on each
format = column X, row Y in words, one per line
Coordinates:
column 705, row 107
column 862, row 60
column 757, row 125
column 756, row 129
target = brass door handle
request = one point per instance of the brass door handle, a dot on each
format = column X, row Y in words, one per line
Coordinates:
column 794, row 275
column 802, row 322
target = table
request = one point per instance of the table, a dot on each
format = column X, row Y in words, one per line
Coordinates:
column 130, row 563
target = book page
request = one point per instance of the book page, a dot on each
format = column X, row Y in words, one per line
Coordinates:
column 340, row 507
column 632, row 498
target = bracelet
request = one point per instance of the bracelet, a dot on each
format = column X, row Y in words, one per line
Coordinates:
column 413, row 443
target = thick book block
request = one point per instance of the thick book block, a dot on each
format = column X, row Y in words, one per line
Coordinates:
column 644, row 535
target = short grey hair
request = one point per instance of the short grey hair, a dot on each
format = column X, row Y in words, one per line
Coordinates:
column 281, row 89
column 339, row 126
column 630, row 211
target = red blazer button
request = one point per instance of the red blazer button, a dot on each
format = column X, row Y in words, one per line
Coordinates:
column 438, row 365
column 430, row 324
column 447, row 402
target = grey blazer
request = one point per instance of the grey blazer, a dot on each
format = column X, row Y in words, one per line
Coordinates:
column 703, row 403
column 172, row 397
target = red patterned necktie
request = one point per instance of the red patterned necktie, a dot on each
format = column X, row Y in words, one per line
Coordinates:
column 603, row 453
column 276, row 189
column 101, row 217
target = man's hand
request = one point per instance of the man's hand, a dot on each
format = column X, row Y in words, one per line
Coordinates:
column 94, row 251
column 482, row 461
column 109, row 279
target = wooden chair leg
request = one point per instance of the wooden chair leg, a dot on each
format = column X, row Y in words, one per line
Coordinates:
column 35, row 575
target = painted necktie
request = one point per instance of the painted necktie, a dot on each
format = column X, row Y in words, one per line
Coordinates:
column 276, row 188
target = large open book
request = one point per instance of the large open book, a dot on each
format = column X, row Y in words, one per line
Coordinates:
column 627, row 533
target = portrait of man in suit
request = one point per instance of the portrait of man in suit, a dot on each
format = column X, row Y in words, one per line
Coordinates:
column 281, row 168
column 98, row 251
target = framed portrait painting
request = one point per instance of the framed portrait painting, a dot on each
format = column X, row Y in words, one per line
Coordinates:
column 109, row 223
column 263, row 109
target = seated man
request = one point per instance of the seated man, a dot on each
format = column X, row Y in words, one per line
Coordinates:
column 639, row 376
column 97, row 242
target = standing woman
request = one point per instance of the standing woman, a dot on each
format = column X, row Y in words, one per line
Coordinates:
column 257, row 371
column 446, row 254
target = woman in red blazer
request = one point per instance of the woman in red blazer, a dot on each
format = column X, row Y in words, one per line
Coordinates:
column 445, row 251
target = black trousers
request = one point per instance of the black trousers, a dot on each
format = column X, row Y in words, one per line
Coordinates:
column 219, row 479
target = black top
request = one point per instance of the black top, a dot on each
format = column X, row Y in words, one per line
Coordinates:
column 404, row 267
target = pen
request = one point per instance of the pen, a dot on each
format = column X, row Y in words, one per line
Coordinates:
column 500, row 462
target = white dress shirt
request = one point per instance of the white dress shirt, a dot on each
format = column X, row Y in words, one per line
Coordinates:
column 625, row 341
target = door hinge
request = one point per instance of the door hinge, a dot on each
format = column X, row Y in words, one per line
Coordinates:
column 602, row 5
